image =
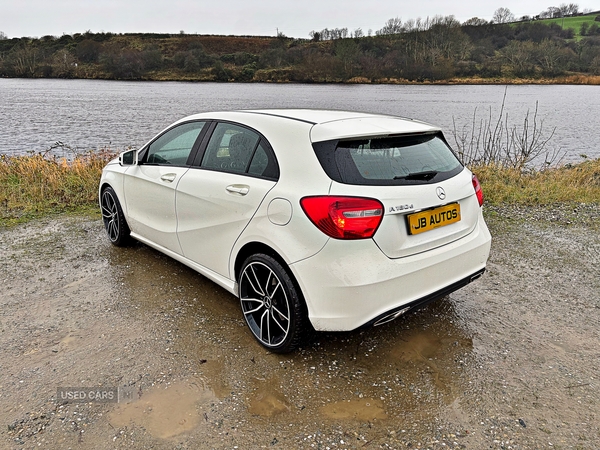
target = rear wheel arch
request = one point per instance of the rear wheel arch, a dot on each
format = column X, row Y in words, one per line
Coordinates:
column 253, row 248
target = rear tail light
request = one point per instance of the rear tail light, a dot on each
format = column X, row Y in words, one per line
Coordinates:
column 344, row 217
column 478, row 191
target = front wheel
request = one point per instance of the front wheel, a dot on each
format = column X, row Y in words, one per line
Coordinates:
column 114, row 219
column 271, row 304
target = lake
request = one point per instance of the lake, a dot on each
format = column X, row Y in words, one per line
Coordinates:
column 91, row 114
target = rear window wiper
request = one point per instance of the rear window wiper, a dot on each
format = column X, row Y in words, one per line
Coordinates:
column 426, row 175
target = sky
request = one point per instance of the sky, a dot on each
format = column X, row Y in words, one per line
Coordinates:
column 293, row 18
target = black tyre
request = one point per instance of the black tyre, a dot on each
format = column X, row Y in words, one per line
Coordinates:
column 271, row 303
column 114, row 221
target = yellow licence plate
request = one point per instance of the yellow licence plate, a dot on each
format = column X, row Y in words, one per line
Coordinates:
column 433, row 218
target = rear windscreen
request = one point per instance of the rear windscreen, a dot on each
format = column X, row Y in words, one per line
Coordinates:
column 391, row 160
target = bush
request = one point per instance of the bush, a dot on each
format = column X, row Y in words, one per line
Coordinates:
column 88, row 51
column 490, row 141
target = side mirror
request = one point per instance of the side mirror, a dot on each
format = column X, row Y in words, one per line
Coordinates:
column 128, row 158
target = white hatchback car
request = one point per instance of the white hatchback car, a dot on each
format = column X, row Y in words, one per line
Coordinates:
column 325, row 219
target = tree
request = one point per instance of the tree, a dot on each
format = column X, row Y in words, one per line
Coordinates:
column 358, row 33
column 392, row 26
column 25, row 59
column 595, row 66
column 445, row 39
column 3, row 36
column 519, row 57
column 551, row 57
column 88, row 51
column 568, row 10
column 475, row 22
column 503, row 15
column 328, row 35
column 572, row 9
column 63, row 64
column 347, row 51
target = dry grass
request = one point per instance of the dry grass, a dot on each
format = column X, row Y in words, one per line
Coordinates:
column 593, row 80
column 36, row 185
column 578, row 183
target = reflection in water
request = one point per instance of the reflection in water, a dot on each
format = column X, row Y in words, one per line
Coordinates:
column 164, row 411
column 424, row 348
column 362, row 410
column 266, row 400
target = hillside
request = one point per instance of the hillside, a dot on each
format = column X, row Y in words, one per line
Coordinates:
column 436, row 50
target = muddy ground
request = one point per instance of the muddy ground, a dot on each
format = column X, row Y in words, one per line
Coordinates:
column 511, row 361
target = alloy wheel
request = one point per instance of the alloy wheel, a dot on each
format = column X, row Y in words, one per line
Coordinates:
column 265, row 304
column 110, row 215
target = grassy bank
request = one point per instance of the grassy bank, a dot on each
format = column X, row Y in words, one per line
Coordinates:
column 36, row 185
column 578, row 183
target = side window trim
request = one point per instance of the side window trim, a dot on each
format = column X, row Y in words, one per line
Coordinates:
column 212, row 124
column 249, row 163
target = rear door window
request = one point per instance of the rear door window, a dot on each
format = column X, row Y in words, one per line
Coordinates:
column 236, row 149
column 413, row 159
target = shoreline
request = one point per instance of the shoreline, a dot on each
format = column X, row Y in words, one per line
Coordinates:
column 569, row 80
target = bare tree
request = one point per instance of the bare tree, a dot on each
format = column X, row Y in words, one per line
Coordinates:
column 475, row 22
column 328, row 35
column 503, row 15
column 25, row 59
column 562, row 10
column 358, row 33
column 392, row 26
column 552, row 57
column 63, row 63
column 3, row 36
column 519, row 57
column 572, row 9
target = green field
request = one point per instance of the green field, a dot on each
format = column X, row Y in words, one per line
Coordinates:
column 573, row 22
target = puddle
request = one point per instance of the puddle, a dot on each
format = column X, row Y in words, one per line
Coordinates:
column 363, row 410
column 212, row 371
column 434, row 351
column 267, row 401
column 165, row 412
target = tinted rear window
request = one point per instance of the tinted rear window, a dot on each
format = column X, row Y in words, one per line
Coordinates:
column 388, row 161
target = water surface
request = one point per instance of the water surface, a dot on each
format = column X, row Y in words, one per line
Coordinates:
column 91, row 114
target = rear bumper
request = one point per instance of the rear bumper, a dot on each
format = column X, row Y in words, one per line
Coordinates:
column 350, row 289
column 399, row 311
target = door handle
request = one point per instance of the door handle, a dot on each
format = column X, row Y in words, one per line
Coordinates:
column 240, row 189
column 168, row 177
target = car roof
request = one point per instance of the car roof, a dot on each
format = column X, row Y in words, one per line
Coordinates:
column 331, row 124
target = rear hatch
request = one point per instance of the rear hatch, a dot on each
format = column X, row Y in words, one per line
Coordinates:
column 427, row 194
